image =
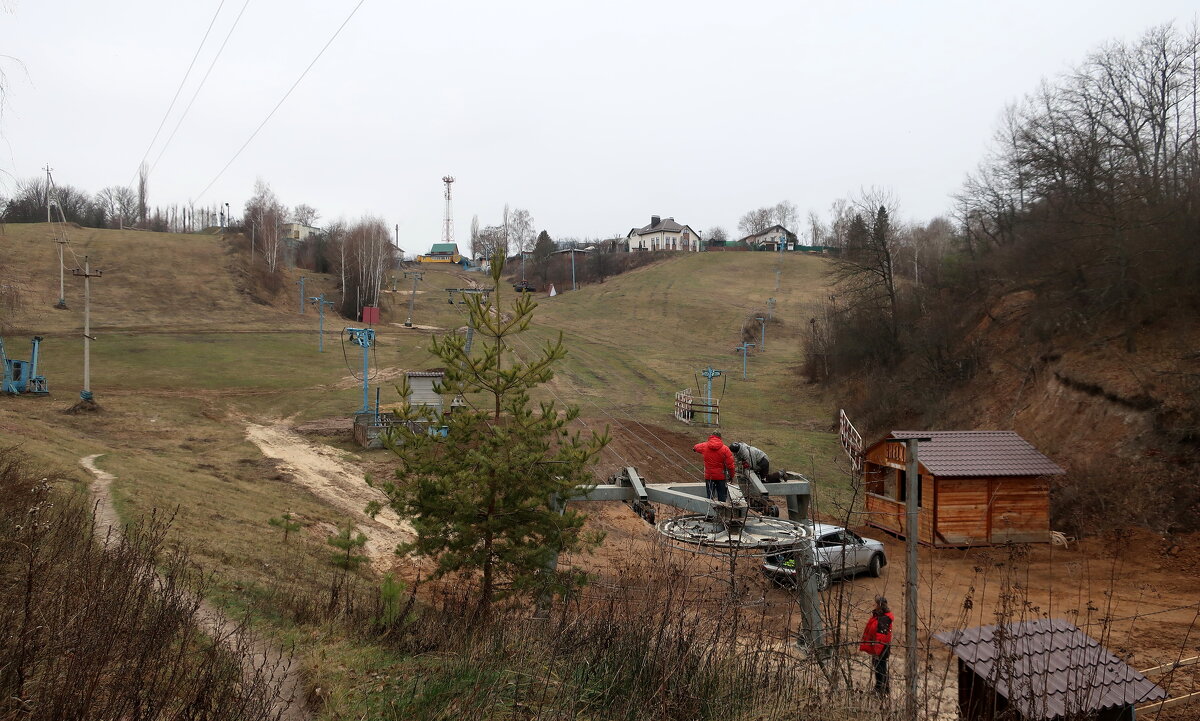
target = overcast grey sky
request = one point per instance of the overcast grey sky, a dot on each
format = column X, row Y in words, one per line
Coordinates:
column 591, row 115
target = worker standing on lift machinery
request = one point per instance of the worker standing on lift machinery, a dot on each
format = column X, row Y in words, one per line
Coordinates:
column 718, row 466
column 755, row 460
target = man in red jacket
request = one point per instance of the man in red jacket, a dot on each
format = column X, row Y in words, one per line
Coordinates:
column 877, row 641
column 718, row 466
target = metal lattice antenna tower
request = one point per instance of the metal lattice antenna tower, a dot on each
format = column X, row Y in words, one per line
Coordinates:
column 448, row 222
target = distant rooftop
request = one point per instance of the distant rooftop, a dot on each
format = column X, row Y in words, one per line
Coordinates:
column 444, row 249
column 964, row 454
column 657, row 225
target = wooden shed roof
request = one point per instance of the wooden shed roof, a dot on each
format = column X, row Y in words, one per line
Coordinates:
column 966, row 454
column 1048, row 668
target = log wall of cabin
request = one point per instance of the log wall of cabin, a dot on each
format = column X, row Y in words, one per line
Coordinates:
column 886, row 487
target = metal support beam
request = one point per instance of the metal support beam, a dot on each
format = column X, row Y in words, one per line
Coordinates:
column 636, row 481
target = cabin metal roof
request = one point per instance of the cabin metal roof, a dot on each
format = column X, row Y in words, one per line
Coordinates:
column 966, row 454
column 1048, row 668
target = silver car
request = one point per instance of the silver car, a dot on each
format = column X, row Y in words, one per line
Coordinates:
column 839, row 553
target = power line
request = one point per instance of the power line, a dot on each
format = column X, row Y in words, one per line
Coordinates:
column 178, row 90
column 281, row 100
column 200, row 87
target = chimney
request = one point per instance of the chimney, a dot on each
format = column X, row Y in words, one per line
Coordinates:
column 654, row 220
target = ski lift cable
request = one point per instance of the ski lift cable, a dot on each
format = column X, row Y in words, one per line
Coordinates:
column 560, row 400
column 610, row 415
column 687, row 473
column 371, row 375
column 624, row 461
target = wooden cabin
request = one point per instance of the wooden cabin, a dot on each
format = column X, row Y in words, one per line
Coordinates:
column 975, row 487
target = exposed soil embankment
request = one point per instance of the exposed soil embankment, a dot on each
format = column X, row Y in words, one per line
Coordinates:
column 321, row 471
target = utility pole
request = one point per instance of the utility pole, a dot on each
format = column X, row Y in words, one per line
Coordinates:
column 416, row 276
column 762, row 337
column 912, row 533
column 778, row 271
column 573, row 286
column 301, row 282
column 709, row 373
column 744, row 347
column 87, row 274
column 320, row 302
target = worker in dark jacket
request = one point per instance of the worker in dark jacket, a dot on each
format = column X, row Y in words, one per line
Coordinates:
column 877, row 642
column 751, row 458
column 718, row 466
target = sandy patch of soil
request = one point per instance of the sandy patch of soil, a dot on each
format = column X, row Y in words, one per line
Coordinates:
column 322, row 472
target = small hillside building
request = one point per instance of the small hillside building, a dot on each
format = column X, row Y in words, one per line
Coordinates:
column 298, row 231
column 776, row 237
column 441, row 253
column 975, row 487
column 663, row 234
column 1043, row 670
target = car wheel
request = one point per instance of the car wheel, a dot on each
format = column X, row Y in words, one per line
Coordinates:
column 824, row 578
column 875, row 565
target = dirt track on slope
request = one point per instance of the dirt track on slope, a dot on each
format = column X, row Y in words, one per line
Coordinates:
column 323, row 473
column 260, row 656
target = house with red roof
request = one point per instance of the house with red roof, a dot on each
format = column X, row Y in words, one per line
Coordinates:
column 973, row 487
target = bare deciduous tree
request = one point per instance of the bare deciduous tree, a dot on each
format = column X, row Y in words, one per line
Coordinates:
column 865, row 271
column 755, row 221
column 305, row 214
column 264, row 213
column 521, row 233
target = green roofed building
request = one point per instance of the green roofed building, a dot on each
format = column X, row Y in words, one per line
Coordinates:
column 441, row 253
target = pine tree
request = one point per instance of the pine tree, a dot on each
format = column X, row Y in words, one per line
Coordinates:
column 487, row 497
column 348, row 543
column 287, row 523
column 543, row 251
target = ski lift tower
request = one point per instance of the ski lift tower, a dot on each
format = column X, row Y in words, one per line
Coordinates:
column 364, row 338
column 730, row 527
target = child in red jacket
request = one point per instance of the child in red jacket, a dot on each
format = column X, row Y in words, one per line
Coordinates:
column 877, row 641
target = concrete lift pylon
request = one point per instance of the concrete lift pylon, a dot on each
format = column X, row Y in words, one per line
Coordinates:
column 725, row 526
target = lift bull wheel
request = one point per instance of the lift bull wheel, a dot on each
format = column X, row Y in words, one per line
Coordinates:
column 756, row 535
column 743, row 525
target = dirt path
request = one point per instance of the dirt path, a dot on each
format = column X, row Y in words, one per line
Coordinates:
column 260, row 656
column 321, row 471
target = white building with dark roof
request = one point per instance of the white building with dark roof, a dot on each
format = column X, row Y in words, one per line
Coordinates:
column 663, row 234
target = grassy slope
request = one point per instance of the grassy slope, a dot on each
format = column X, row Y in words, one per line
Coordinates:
column 184, row 358
column 640, row 337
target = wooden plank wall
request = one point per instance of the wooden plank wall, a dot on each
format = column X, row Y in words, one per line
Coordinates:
column 1019, row 510
column 963, row 510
